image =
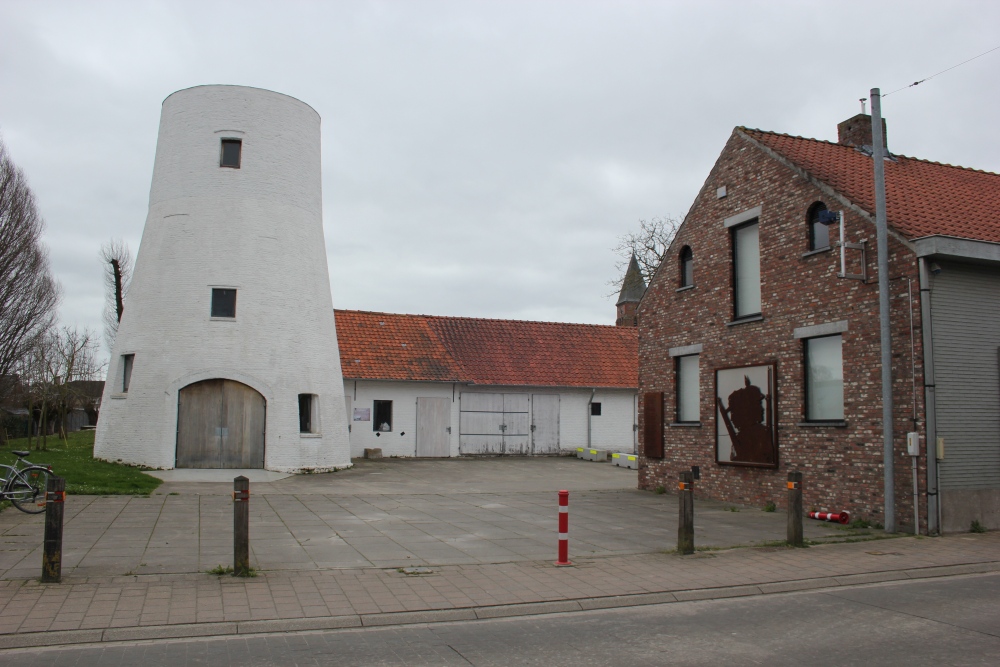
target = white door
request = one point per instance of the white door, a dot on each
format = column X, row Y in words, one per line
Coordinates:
column 545, row 423
column 493, row 423
column 433, row 426
column 480, row 421
column 516, row 435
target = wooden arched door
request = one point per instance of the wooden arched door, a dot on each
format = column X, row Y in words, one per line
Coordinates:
column 220, row 424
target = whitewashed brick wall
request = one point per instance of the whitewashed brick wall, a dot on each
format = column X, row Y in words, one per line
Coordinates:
column 612, row 430
column 257, row 229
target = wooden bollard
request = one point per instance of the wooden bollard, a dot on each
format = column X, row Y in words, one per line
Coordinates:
column 241, row 526
column 795, row 509
column 55, row 497
column 685, row 527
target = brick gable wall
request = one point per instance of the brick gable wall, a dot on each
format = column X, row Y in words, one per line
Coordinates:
column 842, row 465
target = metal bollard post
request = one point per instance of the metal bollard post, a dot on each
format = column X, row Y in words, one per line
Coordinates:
column 564, row 529
column 241, row 526
column 685, row 528
column 55, row 496
column 795, row 509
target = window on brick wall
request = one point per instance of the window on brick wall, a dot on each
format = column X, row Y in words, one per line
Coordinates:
column 223, row 302
column 595, row 409
column 824, row 373
column 819, row 233
column 231, row 153
column 688, row 389
column 687, row 267
column 746, row 270
column 383, row 416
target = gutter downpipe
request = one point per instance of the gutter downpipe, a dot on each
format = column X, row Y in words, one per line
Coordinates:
column 930, row 401
column 590, row 416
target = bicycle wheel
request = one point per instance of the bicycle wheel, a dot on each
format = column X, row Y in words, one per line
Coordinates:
column 26, row 489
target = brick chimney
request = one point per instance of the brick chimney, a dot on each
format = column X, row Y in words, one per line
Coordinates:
column 857, row 132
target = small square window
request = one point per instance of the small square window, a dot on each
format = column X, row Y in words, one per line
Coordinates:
column 595, row 409
column 383, row 416
column 127, row 362
column 223, row 302
column 231, row 150
column 308, row 413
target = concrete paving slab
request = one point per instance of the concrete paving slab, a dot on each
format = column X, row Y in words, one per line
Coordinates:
column 414, row 512
column 198, row 475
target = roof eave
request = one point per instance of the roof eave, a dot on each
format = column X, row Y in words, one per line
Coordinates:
column 953, row 247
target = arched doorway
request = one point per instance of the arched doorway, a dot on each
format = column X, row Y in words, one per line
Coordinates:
column 220, row 424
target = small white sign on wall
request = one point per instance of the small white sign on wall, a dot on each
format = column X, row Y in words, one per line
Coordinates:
column 362, row 414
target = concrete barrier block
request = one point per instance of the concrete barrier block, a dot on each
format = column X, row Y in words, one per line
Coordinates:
column 625, row 460
column 373, row 453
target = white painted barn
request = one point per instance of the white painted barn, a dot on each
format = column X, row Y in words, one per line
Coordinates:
column 226, row 356
column 418, row 385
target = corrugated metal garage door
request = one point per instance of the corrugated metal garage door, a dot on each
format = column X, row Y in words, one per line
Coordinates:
column 493, row 424
column 966, row 319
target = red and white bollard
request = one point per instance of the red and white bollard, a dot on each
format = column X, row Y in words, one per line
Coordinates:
column 833, row 517
column 563, row 529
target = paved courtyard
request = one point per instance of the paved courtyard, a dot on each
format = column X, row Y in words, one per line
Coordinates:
column 383, row 514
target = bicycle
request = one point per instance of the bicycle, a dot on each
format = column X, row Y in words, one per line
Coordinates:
column 25, row 483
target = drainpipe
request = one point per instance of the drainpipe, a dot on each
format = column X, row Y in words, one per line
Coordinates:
column 590, row 416
column 930, row 402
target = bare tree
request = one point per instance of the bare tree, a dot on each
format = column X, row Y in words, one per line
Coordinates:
column 648, row 244
column 117, row 260
column 73, row 360
column 33, row 369
column 28, row 293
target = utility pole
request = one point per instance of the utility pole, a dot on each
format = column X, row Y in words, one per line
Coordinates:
column 882, row 240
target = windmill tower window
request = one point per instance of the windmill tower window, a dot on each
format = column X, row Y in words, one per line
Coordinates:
column 231, row 150
column 223, row 302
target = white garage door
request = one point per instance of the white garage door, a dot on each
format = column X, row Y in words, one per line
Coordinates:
column 493, row 424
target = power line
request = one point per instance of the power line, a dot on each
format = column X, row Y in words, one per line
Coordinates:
column 917, row 83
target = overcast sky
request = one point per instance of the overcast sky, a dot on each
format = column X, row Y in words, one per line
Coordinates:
column 479, row 158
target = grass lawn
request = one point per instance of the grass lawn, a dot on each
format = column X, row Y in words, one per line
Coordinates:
column 74, row 460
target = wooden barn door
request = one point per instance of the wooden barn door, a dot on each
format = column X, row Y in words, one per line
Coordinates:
column 493, row 423
column 433, row 422
column 220, row 424
column 545, row 424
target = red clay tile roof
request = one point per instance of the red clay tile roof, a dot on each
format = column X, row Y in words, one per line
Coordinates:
column 387, row 346
column 922, row 198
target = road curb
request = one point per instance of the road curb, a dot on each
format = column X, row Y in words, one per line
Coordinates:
column 244, row 628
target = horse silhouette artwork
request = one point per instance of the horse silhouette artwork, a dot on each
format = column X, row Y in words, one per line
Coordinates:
column 749, row 421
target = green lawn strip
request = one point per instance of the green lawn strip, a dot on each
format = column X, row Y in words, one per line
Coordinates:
column 73, row 460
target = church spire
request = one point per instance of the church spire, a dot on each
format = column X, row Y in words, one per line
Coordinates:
column 633, row 287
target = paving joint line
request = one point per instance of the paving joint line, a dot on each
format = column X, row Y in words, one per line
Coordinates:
column 38, row 639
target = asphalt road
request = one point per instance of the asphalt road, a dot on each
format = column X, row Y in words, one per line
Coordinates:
column 947, row 621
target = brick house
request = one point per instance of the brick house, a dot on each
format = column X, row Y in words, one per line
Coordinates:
column 759, row 334
column 421, row 385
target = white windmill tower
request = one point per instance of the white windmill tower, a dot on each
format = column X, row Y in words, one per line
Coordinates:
column 226, row 355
